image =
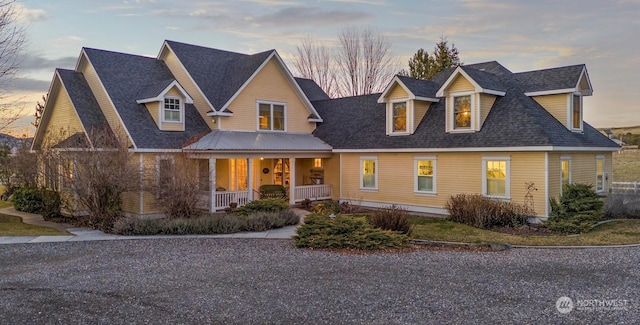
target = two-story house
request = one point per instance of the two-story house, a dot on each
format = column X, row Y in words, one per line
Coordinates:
column 241, row 121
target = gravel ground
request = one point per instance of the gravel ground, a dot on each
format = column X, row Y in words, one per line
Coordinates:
column 245, row 281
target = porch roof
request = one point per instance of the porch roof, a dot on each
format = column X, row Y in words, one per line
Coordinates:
column 258, row 141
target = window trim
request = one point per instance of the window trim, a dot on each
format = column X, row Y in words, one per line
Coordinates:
column 180, row 110
column 390, row 120
column 433, row 159
column 567, row 159
column 452, row 113
column 376, row 167
column 604, row 187
column 571, row 100
column 159, row 158
column 271, row 104
column 507, row 185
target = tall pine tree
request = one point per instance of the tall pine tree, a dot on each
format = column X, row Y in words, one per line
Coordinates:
column 424, row 65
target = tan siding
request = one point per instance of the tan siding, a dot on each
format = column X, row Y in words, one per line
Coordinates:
column 556, row 105
column 460, row 84
column 455, row 173
column 269, row 84
column 62, row 121
column 554, row 174
column 397, row 92
column 131, row 202
column 486, row 102
column 172, row 126
column 332, row 174
column 153, row 108
column 102, row 98
column 222, row 173
column 583, row 169
column 174, row 92
column 303, row 171
column 183, row 78
column 420, row 109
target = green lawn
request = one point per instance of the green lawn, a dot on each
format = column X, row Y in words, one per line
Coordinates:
column 612, row 233
column 13, row 226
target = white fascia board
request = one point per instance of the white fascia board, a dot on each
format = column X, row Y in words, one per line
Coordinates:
column 585, row 74
column 160, row 97
column 454, row 74
column 317, row 120
column 551, row 92
column 427, row 99
column 493, row 92
column 386, row 91
column 215, row 113
column 47, row 107
column 478, row 149
column 155, row 150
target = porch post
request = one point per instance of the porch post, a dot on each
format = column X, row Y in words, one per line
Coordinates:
column 292, row 181
column 212, row 184
column 250, row 178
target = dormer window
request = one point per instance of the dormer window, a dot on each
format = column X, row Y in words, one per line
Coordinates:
column 576, row 112
column 172, row 110
column 462, row 112
column 400, row 117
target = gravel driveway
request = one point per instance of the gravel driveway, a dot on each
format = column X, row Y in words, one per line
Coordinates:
column 245, row 281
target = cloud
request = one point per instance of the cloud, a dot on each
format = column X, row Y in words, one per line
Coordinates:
column 28, row 16
column 311, row 16
column 21, row 85
column 33, row 62
column 366, row 2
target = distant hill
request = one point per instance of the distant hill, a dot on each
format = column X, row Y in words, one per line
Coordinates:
column 623, row 129
column 13, row 142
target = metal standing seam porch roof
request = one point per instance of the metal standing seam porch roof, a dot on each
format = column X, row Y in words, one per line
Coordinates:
column 259, row 141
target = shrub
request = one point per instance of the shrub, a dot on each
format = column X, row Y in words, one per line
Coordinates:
column 326, row 207
column 578, row 210
column 261, row 221
column 264, row 205
column 51, row 202
column 27, row 199
column 340, row 232
column 392, row 218
column 206, row 225
column 482, row 212
column 622, row 206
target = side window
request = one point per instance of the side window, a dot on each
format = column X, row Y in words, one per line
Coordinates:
column 368, row 173
column 425, row 175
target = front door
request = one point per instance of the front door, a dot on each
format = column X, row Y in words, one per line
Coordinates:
column 281, row 172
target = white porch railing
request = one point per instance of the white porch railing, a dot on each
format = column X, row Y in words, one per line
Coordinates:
column 312, row 192
column 224, row 198
column 625, row 187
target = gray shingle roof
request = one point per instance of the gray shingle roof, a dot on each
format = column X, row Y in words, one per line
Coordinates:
column 420, row 87
column 311, row 89
column 86, row 105
column 485, row 79
column 258, row 141
column 153, row 89
column 123, row 76
column 219, row 74
column 515, row 120
column 550, row 79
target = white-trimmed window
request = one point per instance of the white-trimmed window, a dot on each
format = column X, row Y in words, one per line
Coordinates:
column 271, row 116
column 317, row 163
column 425, row 175
column 368, row 173
column 576, row 112
column 172, row 110
column 399, row 117
column 565, row 173
column 496, row 179
column 600, row 179
column 462, row 110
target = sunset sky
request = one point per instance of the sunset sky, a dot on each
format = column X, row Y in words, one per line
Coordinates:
column 521, row 35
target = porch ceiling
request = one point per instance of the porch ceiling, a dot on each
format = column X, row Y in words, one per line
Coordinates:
column 258, row 141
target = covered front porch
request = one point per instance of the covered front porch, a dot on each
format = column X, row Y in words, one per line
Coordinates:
column 233, row 166
column 238, row 180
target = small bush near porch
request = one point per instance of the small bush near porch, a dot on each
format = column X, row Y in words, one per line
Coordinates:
column 259, row 215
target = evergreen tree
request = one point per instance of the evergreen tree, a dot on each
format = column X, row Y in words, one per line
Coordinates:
column 424, row 65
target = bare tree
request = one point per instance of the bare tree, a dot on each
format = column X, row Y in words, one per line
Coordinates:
column 365, row 63
column 12, row 41
column 39, row 110
column 314, row 61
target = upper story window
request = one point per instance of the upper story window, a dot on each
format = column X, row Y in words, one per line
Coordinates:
column 576, row 112
column 271, row 116
column 462, row 112
column 172, row 110
column 400, row 117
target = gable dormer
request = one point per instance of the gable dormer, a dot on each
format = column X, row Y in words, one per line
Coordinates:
column 563, row 94
column 469, row 99
column 165, row 101
column 407, row 101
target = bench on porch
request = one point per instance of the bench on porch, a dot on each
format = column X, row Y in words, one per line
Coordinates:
column 273, row 191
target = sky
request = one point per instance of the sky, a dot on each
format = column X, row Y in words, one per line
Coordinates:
column 522, row 35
